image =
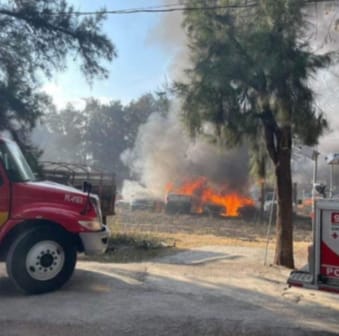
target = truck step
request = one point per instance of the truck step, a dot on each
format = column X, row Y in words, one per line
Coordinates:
column 300, row 277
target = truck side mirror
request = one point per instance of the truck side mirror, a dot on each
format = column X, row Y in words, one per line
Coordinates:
column 87, row 187
column 321, row 189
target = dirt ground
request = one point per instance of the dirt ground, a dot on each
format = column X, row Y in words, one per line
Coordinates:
column 181, row 232
column 211, row 281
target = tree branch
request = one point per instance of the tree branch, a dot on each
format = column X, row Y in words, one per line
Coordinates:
column 32, row 22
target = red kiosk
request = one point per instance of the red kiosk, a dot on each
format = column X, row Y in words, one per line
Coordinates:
column 323, row 268
column 322, row 271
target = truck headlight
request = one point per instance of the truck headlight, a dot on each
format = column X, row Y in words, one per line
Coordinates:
column 93, row 225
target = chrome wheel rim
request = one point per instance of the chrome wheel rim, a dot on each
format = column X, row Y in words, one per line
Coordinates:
column 45, row 260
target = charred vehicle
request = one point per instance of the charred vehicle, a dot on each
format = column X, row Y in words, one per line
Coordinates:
column 178, row 204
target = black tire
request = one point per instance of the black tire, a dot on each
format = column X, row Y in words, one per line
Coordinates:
column 34, row 272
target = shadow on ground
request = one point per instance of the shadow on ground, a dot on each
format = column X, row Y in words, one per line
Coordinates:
column 143, row 299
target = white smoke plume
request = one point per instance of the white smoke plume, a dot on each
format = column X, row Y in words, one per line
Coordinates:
column 324, row 37
column 164, row 153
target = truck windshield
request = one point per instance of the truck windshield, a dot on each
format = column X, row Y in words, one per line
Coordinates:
column 15, row 163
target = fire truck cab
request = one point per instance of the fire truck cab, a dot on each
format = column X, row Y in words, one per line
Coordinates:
column 43, row 225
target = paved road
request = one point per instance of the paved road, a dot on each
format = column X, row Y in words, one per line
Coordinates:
column 210, row 291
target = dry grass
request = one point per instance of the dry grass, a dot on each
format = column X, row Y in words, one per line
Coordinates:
column 142, row 235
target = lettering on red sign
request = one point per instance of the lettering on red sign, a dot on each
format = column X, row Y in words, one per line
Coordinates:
column 332, row 272
column 335, row 217
column 73, row 199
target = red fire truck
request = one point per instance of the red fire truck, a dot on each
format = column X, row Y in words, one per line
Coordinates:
column 44, row 224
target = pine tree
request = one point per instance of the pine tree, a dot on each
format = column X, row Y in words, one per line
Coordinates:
column 36, row 39
column 250, row 68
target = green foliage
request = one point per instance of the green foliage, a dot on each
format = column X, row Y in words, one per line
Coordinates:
column 36, row 39
column 249, row 78
column 64, row 131
column 98, row 134
column 247, row 61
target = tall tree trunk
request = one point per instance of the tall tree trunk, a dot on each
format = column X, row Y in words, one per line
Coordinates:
column 262, row 200
column 284, row 226
column 279, row 145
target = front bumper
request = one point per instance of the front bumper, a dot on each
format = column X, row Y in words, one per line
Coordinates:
column 95, row 243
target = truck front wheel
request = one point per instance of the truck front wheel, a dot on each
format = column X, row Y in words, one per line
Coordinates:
column 41, row 260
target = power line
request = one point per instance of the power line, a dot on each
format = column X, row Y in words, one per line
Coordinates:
column 176, row 7
column 157, row 9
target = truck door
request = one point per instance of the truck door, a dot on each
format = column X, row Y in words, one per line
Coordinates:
column 4, row 194
column 329, row 244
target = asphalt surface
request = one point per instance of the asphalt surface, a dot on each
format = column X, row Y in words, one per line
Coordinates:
column 208, row 291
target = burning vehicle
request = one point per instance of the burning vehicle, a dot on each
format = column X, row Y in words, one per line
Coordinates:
column 142, row 204
column 214, row 210
column 139, row 202
column 146, row 204
column 197, row 196
column 178, row 204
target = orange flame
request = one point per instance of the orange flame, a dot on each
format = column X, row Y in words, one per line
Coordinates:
column 203, row 195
